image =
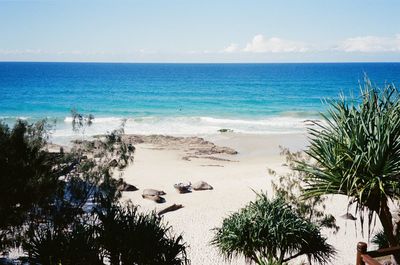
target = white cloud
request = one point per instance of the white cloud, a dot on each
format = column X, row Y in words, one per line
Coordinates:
column 19, row 52
column 274, row 45
column 363, row 44
column 73, row 52
column 370, row 44
column 233, row 47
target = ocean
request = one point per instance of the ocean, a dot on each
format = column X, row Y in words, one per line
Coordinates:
column 180, row 99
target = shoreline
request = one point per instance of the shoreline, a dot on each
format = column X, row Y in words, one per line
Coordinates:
column 235, row 181
column 201, row 126
column 237, row 167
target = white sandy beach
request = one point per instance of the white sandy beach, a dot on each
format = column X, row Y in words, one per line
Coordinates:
column 159, row 167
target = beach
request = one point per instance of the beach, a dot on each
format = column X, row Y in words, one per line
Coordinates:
column 199, row 132
column 219, row 123
column 236, row 178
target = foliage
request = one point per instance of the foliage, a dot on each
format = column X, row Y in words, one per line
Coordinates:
column 271, row 232
column 80, row 121
column 60, row 206
column 119, row 234
column 76, row 244
column 130, row 237
column 27, row 179
column 290, row 187
column 357, row 153
column 380, row 240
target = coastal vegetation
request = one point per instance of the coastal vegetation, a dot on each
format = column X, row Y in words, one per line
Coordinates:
column 269, row 231
column 275, row 231
column 291, row 186
column 61, row 207
column 357, row 154
column 354, row 151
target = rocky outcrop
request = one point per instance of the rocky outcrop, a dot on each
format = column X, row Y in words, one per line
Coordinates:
column 193, row 147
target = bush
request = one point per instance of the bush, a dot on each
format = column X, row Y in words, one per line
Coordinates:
column 356, row 151
column 270, row 232
column 130, row 237
column 290, row 187
column 75, row 245
column 63, row 208
column 27, row 179
column 118, row 235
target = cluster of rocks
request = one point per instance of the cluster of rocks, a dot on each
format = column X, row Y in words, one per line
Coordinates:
column 185, row 188
column 156, row 195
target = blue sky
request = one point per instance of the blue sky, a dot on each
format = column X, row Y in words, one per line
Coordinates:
column 200, row 31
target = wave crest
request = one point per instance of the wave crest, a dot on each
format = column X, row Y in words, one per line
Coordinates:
column 188, row 125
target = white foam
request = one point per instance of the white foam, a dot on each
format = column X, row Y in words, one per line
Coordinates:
column 97, row 120
column 13, row 118
column 184, row 125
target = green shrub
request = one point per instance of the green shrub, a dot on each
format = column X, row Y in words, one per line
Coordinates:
column 270, row 232
column 357, row 154
column 130, row 237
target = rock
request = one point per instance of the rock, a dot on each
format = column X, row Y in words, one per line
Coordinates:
column 152, row 192
column 224, row 130
column 128, row 187
column 183, row 188
column 348, row 216
column 171, row 208
column 155, row 198
column 202, row 185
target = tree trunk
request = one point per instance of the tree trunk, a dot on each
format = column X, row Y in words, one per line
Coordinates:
column 396, row 224
column 385, row 217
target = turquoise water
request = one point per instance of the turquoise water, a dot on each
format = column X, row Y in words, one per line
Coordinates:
column 180, row 98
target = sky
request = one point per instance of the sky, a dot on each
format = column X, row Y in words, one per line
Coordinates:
column 200, row 31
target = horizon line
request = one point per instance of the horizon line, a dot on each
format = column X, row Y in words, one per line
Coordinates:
column 194, row 62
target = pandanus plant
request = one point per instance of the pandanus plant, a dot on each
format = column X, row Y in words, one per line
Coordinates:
column 270, row 232
column 357, row 153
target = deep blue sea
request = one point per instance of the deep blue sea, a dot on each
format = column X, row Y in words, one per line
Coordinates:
column 181, row 98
